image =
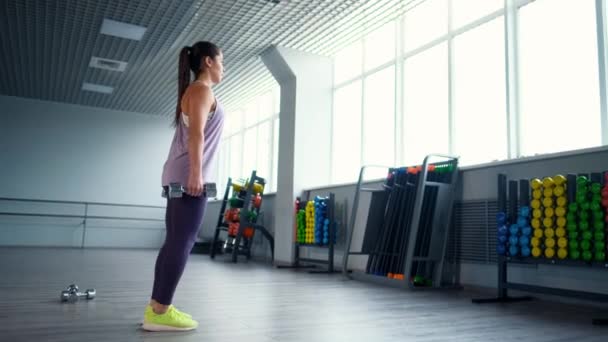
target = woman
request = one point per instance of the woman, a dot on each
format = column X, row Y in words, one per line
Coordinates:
column 199, row 119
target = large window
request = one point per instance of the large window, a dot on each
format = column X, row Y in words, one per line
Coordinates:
column 425, row 23
column 380, row 46
column 379, row 118
column 470, row 83
column 346, row 137
column 425, row 102
column 466, row 11
column 560, row 107
column 480, row 111
column 250, row 141
column 236, row 157
column 348, row 63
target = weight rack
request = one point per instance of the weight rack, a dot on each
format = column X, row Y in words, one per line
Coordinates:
column 411, row 212
column 241, row 245
column 312, row 263
column 510, row 206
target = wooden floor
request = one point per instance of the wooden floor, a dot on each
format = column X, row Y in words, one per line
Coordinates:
column 254, row 302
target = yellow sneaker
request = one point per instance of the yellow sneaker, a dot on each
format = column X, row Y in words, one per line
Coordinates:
column 172, row 320
column 181, row 312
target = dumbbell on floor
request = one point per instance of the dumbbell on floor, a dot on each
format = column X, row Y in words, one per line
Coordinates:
column 176, row 190
column 72, row 294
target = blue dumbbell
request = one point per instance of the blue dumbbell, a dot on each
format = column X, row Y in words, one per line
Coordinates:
column 524, row 211
column 503, row 230
column 501, row 249
column 522, row 221
column 501, row 218
column 514, row 229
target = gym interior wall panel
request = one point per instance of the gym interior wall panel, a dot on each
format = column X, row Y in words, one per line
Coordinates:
column 41, row 232
column 117, row 235
column 60, row 151
column 212, row 213
column 64, row 152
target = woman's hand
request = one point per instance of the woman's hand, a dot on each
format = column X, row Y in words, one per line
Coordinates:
column 195, row 184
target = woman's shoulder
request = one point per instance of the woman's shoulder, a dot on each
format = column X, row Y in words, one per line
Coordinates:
column 197, row 91
column 200, row 89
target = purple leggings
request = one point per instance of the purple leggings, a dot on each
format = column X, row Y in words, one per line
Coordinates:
column 183, row 219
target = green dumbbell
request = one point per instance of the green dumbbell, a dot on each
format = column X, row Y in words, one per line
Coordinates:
column 573, row 244
column 599, row 236
column 599, row 246
column 587, row 255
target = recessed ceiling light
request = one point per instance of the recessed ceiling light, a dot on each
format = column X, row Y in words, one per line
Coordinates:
column 107, row 64
column 97, row 88
column 122, row 30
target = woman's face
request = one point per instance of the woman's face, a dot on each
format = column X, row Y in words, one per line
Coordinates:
column 215, row 67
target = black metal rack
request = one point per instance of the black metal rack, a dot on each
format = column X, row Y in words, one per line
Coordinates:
column 407, row 226
column 239, row 244
column 511, row 207
column 313, row 263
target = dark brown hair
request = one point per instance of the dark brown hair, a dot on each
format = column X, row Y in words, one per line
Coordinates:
column 190, row 58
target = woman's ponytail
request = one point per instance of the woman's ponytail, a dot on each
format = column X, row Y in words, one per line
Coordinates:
column 183, row 76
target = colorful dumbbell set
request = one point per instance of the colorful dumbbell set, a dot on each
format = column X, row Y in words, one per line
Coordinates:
column 565, row 218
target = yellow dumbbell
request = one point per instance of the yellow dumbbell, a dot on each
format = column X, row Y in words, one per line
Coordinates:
column 548, row 182
column 549, row 233
column 536, row 252
column 562, row 253
column 550, row 242
column 536, row 183
column 562, row 242
column 559, row 179
column 548, row 222
column 549, row 253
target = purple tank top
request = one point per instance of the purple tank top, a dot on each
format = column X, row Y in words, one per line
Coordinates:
column 177, row 166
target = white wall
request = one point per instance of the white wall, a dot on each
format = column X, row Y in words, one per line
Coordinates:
column 57, row 151
column 304, row 135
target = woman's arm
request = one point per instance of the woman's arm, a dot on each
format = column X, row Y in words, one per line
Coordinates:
column 199, row 105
